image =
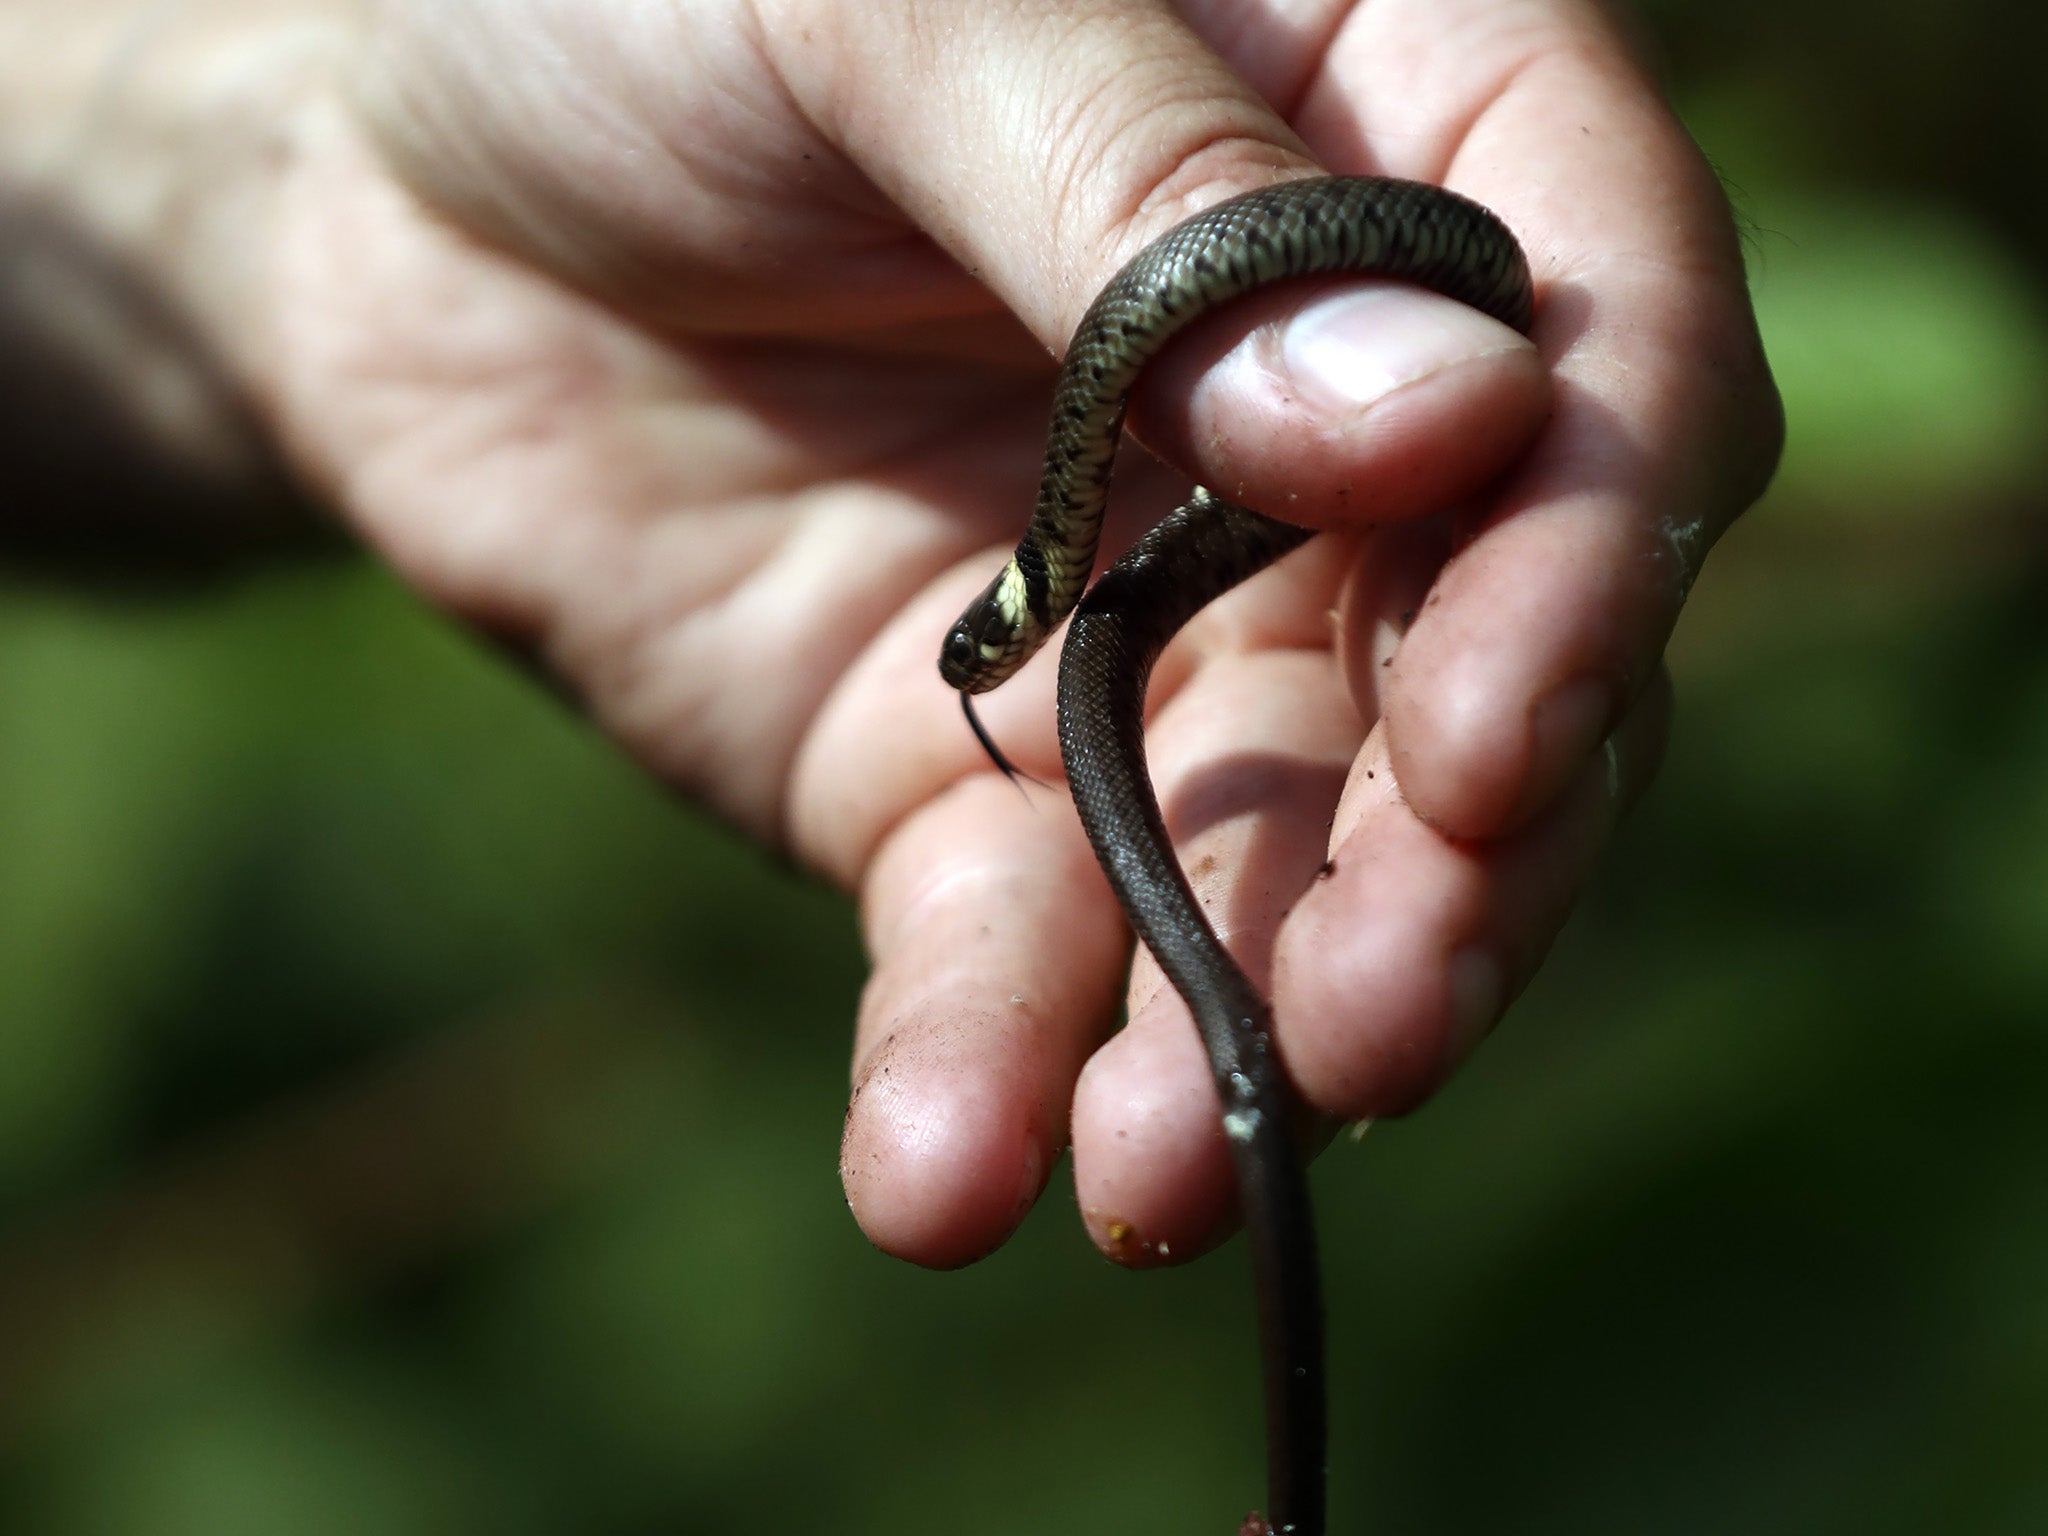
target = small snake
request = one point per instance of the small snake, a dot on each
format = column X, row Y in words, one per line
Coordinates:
column 1367, row 225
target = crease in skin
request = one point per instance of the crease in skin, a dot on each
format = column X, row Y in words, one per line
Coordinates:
column 963, row 888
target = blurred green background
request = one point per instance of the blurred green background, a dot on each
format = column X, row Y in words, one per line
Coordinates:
column 411, row 1122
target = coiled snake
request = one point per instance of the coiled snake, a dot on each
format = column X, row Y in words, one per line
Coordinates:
column 1369, row 225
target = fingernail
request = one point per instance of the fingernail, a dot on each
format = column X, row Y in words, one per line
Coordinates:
column 1357, row 346
column 1475, row 1003
column 1564, row 728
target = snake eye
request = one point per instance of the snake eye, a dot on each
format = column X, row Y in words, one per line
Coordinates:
column 959, row 656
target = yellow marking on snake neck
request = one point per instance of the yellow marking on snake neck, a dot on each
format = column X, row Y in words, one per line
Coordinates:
column 1010, row 599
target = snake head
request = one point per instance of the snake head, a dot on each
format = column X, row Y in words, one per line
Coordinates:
column 990, row 640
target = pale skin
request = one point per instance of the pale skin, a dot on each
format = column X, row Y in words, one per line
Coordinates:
column 701, row 353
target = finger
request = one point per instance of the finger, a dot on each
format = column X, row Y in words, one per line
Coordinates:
column 998, row 954
column 1393, row 967
column 1396, row 957
column 1044, row 141
column 1249, row 758
column 1381, row 601
column 998, row 950
column 1074, row 135
column 1544, row 627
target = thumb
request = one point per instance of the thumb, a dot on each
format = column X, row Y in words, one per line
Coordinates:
column 1042, row 143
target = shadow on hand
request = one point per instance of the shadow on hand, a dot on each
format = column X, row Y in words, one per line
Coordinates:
column 131, row 460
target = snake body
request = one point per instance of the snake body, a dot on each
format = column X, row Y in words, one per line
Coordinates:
column 1365, row 225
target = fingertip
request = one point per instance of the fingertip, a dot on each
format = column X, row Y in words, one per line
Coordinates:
column 1474, row 766
column 1371, row 1014
column 1520, row 662
column 969, row 1041
column 1373, row 1060
column 1152, row 1172
column 938, row 1167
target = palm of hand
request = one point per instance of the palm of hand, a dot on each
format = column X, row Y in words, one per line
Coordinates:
column 697, row 533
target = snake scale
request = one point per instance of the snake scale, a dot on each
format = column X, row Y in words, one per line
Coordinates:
column 1364, row 225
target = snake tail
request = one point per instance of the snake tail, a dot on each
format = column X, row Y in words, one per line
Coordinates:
column 1194, row 556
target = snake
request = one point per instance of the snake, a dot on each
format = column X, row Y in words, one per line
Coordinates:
column 1366, row 225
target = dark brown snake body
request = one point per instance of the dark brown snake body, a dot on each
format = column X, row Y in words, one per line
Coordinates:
column 1364, row 225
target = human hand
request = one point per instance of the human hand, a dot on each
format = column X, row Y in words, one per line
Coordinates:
column 700, row 352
